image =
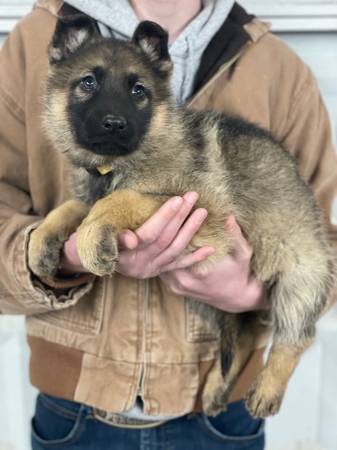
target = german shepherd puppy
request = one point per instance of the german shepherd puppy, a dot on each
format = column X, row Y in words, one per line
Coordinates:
column 110, row 110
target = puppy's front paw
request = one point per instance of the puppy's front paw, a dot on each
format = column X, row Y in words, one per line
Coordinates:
column 263, row 398
column 44, row 253
column 97, row 247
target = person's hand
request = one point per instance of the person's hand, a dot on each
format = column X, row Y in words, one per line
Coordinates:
column 227, row 284
column 157, row 245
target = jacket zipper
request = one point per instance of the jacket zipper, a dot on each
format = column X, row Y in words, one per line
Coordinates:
column 141, row 379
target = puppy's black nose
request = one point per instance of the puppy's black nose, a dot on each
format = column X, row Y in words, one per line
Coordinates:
column 113, row 124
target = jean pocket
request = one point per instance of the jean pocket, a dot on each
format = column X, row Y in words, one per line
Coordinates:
column 236, row 426
column 57, row 423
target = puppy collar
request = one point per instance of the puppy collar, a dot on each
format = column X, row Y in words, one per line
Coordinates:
column 100, row 170
column 103, row 170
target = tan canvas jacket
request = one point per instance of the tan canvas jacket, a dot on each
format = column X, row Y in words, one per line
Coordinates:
column 103, row 341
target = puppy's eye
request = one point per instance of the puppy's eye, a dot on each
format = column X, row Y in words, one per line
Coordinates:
column 138, row 90
column 88, row 83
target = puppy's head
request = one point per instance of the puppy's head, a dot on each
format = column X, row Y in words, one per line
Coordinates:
column 103, row 94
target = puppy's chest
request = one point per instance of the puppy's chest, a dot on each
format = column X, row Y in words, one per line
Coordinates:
column 92, row 186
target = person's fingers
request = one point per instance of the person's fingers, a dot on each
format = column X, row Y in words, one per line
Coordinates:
column 241, row 249
column 153, row 227
column 172, row 227
column 190, row 259
column 70, row 259
column 183, row 238
column 128, row 240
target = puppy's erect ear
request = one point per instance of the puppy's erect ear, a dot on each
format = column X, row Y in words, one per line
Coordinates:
column 152, row 39
column 71, row 33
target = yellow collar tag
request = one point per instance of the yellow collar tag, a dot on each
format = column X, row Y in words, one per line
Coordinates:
column 103, row 170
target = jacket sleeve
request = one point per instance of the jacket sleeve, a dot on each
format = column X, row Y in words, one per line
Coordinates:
column 20, row 292
column 307, row 134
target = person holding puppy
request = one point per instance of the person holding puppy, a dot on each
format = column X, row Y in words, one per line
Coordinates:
column 125, row 359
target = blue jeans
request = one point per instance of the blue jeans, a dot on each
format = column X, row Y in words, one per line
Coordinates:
column 61, row 424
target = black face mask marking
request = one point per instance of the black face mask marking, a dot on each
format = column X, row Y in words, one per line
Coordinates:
column 112, row 115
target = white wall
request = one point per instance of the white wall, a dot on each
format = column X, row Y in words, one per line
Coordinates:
column 17, row 396
column 308, row 419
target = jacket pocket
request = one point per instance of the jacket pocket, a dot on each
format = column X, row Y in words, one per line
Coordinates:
column 85, row 317
column 54, row 425
column 202, row 321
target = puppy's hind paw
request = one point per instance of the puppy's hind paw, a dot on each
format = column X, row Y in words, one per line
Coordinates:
column 262, row 402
